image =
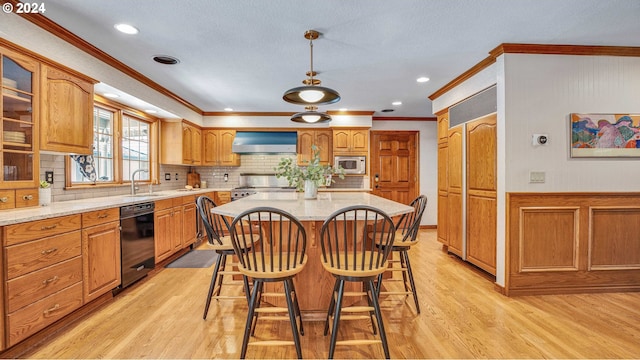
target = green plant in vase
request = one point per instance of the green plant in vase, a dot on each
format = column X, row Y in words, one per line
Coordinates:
column 308, row 177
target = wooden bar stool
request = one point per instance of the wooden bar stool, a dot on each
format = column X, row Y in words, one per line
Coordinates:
column 217, row 229
column 406, row 236
column 278, row 255
column 356, row 242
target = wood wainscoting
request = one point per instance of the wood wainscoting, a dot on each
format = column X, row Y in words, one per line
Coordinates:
column 572, row 242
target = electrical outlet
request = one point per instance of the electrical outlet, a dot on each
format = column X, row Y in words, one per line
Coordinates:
column 536, row 177
column 48, row 177
column 176, row 176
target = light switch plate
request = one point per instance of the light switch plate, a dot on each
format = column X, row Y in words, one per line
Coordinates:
column 536, row 177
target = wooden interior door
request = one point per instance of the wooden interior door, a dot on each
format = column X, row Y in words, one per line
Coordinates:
column 394, row 165
column 481, row 193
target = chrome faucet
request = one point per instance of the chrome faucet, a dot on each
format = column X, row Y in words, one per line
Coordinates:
column 133, row 182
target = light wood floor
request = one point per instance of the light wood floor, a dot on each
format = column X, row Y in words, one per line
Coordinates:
column 462, row 317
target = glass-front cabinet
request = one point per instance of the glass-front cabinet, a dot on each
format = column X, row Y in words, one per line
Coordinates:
column 19, row 158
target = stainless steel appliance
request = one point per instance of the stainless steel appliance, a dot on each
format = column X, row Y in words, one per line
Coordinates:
column 351, row 164
column 259, row 183
column 136, row 241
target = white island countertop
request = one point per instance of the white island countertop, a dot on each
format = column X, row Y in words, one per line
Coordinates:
column 311, row 210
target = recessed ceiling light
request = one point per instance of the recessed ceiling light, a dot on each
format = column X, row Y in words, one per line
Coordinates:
column 396, row 103
column 151, row 111
column 126, row 28
column 111, row 95
column 228, row 109
column 165, row 59
column 387, row 110
column 342, row 109
column 422, row 79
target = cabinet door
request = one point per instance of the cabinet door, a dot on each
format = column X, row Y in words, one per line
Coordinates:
column 196, row 146
column 454, row 193
column 324, row 141
column 19, row 94
column 210, row 147
column 67, row 105
column 187, row 151
column 360, row 141
column 225, row 153
column 163, row 232
column 100, row 259
column 341, row 140
column 305, row 140
column 189, row 219
column 176, row 229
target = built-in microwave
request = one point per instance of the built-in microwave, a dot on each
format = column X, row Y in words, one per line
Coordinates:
column 351, row 164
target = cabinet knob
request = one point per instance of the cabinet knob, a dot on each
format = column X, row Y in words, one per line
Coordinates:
column 27, row 197
column 4, row 199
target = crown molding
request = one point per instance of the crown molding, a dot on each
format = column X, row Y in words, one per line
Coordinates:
column 266, row 113
column 513, row 48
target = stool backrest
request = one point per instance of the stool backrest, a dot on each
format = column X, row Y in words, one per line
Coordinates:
column 409, row 223
column 282, row 242
column 215, row 225
column 357, row 238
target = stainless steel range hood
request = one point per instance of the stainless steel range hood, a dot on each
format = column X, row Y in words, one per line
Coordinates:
column 265, row 142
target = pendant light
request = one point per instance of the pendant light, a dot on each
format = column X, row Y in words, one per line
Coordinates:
column 311, row 116
column 311, row 92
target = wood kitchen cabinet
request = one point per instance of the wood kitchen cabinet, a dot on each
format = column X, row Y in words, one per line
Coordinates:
column 217, row 148
column 323, row 139
column 180, row 143
column 101, row 259
column 174, row 225
column 43, row 274
column 350, row 141
column 19, row 155
column 66, row 124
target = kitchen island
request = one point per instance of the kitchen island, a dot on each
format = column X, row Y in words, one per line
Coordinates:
column 314, row 285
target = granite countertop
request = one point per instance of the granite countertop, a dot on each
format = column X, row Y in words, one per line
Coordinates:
column 312, row 210
column 62, row 208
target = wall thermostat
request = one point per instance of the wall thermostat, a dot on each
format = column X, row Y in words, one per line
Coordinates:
column 539, row 139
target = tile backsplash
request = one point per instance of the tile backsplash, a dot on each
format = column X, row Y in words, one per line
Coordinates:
column 213, row 175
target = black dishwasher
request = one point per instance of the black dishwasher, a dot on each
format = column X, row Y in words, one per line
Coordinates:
column 136, row 241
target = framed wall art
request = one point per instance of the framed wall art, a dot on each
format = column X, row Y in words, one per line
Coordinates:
column 605, row 135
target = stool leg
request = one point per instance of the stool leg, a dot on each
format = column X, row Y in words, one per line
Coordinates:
column 255, row 317
column 403, row 264
column 223, row 266
column 371, row 313
column 376, row 307
column 413, row 284
column 247, row 292
column 331, row 306
column 297, row 306
column 214, row 276
column 336, row 319
column 249, row 324
column 292, row 318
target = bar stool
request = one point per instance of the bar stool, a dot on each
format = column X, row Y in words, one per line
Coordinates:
column 356, row 242
column 406, row 236
column 217, row 229
column 278, row 255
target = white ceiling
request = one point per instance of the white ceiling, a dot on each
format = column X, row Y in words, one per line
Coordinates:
column 244, row 54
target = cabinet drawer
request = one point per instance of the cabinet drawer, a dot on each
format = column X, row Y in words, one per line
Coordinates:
column 15, row 234
column 100, row 217
column 26, row 198
column 34, row 286
column 35, row 317
column 7, row 199
column 34, row 255
column 163, row 204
